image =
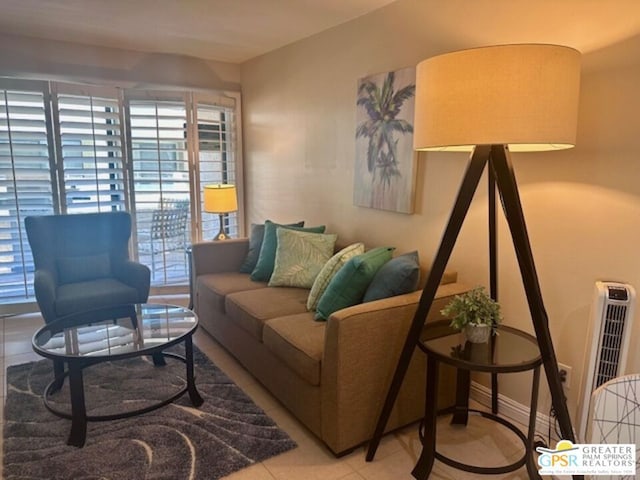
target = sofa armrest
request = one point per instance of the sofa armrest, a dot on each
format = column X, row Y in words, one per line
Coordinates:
column 45, row 285
column 362, row 348
column 219, row 256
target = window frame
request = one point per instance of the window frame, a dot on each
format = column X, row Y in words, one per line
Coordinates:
column 67, row 89
column 191, row 99
column 222, row 99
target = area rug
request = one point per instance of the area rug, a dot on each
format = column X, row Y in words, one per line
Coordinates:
column 227, row 433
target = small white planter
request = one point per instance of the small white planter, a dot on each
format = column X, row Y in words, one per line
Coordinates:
column 477, row 333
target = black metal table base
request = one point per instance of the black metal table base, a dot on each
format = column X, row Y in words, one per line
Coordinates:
column 485, row 470
column 78, row 415
column 460, row 416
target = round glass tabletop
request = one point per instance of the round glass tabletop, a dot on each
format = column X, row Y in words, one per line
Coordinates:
column 511, row 350
column 121, row 331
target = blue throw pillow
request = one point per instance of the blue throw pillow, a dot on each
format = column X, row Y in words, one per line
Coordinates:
column 396, row 277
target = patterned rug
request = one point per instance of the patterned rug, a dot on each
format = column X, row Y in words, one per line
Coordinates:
column 227, row 433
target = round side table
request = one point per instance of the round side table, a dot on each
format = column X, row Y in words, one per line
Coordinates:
column 509, row 351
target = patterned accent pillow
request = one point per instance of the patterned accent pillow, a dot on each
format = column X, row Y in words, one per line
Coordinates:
column 299, row 257
column 267, row 257
column 255, row 245
column 330, row 268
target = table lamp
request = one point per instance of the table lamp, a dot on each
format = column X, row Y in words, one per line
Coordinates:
column 220, row 199
column 492, row 101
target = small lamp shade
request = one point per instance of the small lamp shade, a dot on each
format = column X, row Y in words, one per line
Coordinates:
column 524, row 96
column 220, row 198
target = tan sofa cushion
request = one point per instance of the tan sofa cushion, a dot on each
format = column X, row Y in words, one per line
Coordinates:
column 218, row 285
column 297, row 340
column 251, row 309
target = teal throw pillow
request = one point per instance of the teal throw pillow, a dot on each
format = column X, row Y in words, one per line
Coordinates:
column 299, row 257
column 329, row 270
column 255, row 244
column 266, row 260
column 396, row 277
column 349, row 285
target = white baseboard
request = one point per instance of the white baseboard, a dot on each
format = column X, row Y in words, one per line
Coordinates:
column 514, row 411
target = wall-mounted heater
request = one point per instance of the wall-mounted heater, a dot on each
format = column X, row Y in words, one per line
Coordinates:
column 607, row 340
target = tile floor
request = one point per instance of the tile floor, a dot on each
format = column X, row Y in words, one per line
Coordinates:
column 482, row 443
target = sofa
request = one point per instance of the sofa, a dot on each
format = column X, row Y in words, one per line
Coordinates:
column 332, row 375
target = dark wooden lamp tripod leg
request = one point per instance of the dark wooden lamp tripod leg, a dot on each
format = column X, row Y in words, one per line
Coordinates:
column 460, row 209
column 493, row 270
column 512, row 207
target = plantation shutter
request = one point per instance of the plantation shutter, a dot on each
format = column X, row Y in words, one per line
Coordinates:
column 216, row 155
column 26, row 182
column 161, row 186
column 90, row 149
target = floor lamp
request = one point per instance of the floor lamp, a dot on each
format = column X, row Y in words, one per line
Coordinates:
column 220, row 199
column 493, row 101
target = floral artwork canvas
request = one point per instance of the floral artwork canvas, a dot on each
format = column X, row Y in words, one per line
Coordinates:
column 384, row 172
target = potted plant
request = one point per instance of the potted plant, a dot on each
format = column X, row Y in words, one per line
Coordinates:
column 475, row 313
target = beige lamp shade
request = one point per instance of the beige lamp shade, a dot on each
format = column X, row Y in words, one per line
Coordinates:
column 220, row 198
column 524, row 96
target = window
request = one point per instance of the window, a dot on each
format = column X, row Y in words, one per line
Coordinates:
column 90, row 149
column 161, row 186
column 178, row 144
column 216, row 157
column 73, row 149
column 26, row 182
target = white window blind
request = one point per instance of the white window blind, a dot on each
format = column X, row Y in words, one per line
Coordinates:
column 91, row 149
column 26, row 184
column 161, row 185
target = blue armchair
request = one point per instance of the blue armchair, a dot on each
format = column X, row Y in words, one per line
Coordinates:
column 82, row 263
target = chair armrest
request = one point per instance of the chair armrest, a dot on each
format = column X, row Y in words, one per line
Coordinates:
column 361, row 352
column 219, row 256
column 45, row 285
column 135, row 275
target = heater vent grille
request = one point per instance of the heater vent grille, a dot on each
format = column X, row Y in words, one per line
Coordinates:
column 613, row 329
column 608, row 340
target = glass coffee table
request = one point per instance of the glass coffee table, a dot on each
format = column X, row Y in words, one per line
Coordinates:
column 78, row 341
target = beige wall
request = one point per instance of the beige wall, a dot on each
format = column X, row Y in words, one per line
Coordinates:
column 582, row 205
column 26, row 57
